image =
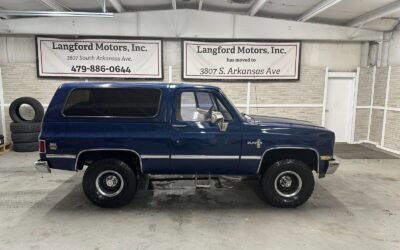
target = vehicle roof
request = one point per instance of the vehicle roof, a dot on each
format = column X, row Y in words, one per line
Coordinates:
column 74, row 85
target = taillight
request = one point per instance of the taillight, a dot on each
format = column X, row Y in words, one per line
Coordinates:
column 42, row 146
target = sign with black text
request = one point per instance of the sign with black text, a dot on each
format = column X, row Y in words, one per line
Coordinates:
column 241, row 60
column 100, row 58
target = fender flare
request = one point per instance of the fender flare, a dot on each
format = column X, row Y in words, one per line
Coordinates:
column 108, row 149
column 288, row 147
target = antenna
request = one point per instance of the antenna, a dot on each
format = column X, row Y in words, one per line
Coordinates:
column 255, row 92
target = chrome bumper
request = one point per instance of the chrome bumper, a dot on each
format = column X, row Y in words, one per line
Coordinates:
column 42, row 166
column 332, row 167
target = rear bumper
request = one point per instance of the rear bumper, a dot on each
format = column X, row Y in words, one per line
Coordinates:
column 332, row 167
column 42, row 166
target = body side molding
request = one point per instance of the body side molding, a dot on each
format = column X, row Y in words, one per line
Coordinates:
column 62, row 156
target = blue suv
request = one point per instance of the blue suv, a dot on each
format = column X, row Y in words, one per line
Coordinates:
column 119, row 132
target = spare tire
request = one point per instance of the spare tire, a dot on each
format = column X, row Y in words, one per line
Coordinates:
column 35, row 104
column 25, row 127
column 25, row 137
column 26, row 147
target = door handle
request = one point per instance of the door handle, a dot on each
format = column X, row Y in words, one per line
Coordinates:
column 179, row 125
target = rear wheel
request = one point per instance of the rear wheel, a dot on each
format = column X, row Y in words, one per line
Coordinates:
column 287, row 183
column 109, row 183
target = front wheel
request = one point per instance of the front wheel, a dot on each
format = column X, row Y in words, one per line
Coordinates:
column 109, row 183
column 287, row 183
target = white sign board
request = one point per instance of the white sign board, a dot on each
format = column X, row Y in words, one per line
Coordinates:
column 101, row 58
column 241, row 60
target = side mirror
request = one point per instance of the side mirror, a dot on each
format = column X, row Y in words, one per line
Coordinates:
column 218, row 118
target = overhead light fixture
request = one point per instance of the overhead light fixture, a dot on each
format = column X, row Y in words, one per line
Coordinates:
column 256, row 7
column 317, row 9
column 23, row 13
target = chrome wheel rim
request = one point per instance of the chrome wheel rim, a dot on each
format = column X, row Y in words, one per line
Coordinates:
column 109, row 183
column 288, row 184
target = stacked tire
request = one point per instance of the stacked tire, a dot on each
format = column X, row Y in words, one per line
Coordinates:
column 24, row 132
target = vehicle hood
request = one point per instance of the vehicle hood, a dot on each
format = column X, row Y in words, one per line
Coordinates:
column 268, row 120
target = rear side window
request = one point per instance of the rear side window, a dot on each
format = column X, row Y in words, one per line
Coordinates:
column 128, row 102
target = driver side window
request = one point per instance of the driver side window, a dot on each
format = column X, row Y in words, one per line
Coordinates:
column 197, row 107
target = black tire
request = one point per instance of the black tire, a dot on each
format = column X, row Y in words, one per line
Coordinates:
column 26, row 147
column 294, row 195
column 25, row 137
column 1, row 139
column 25, row 127
column 95, row 188
column 35, row 104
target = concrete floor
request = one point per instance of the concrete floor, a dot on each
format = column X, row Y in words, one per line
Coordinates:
column 357, row 208
column 362, row 151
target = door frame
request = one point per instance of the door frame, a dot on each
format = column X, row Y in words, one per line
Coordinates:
column 345, row 75
column 204, row 157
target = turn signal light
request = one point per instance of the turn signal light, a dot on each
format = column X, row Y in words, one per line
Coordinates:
column 326, row 157
column 42, row 146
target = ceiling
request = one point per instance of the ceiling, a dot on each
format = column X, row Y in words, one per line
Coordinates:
column 339, row 14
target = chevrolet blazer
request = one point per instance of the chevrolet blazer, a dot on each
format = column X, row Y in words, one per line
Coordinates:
column 119, row 132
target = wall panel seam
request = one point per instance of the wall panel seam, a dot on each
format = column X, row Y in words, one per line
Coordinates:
column 371, row 102
column 386, row 105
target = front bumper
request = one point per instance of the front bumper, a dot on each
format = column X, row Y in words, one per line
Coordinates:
column 42, row 166
column 332, row 167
